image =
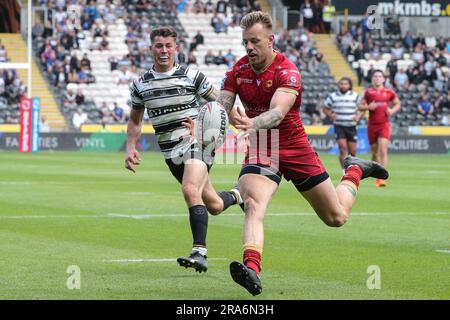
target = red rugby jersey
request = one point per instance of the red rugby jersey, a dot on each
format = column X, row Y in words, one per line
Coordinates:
column 382, row 99
column 256, row 90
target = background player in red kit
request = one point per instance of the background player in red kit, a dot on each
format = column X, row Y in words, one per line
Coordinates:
column 269, row 86
column 377, row 100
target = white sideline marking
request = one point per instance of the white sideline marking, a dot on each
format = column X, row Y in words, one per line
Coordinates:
column 157, row 260
column 443, row 251
column 183, row 215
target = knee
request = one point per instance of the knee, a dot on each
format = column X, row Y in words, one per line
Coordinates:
column 336, row 220
column 253, row 209
column 214, row 208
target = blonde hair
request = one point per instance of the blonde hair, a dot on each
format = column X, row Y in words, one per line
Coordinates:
column 252, row 18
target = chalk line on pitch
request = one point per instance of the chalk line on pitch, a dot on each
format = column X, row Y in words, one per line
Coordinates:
column 157, row 260
column 443, row 251
column 183, row 215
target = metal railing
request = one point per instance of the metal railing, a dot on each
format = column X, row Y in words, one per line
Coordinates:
column 279, row 13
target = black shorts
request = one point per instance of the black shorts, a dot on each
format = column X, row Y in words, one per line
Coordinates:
column 273, row 174
column 347, row 133
column 176, row 165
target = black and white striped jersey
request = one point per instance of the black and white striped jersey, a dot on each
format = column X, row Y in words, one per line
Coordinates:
column 170, row 98
column 344, row 105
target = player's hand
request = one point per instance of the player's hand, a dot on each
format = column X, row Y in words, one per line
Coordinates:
column 372, row 106
column 243, row 122
column 333, row 117
column 132, row 160
column 389, row 112
column 190, row 124
column 234, row 116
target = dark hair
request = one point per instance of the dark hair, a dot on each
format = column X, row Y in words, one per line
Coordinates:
column 377, row 70
column 163, row 32
column 350, row 82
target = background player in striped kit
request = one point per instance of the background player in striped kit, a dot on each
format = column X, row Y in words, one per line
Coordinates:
column 342, row 107
column 170, row 94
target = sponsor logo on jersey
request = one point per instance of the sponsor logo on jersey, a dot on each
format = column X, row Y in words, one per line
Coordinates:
column 269, row 83
column 258, row 82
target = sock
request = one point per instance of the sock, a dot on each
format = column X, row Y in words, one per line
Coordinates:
column 353, row 174
column 198, row 218
column 252, row 259
column 202, row 250
column 228, row 199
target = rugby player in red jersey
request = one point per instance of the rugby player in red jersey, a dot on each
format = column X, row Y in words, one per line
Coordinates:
column 269, row 86
column 377, row 99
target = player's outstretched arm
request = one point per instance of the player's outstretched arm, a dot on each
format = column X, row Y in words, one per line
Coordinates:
column 133, row 134
column 282, row 101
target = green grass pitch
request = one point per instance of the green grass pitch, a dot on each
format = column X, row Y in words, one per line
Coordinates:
column 85, row 209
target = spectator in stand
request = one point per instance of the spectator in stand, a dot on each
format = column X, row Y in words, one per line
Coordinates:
column 417, row 55
column 313, row 65
column 181, row 57
column 408, row 41
column 105, row 113
column 430, row 67
column 85, row 62
column 209, row 57
column 97, row 31
column 420, row 39
column 425, row 107
column 230, row 58
column 219, row 59
column 221, row 7
column 369, row 73
column 430, row 41
column 70, row 100
column 37, row 31
column 113, row 62
column 217, row 24
column 79, row 118
column 192, row 59
column 311, row 110
column 43, row 125
column 392, row 67
column 442, row 45
column 3, row 55
column 328, row 13
column 375, row 54
column 199, row 39
column 209, row 7
column 118, row 114
column 317, row 26
column 323, row 67
column 104, row 44
column 79, row 99
column 198, row 7
column 401, row 79
column 397, row 51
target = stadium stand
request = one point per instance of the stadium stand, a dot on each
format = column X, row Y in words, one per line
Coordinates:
column 112, row 49
column 416, row 67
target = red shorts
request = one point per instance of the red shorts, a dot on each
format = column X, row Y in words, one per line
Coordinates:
column 296, row 162
column 375, row 131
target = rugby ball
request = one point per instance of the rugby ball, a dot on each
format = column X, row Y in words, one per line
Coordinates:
column 212, row 124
